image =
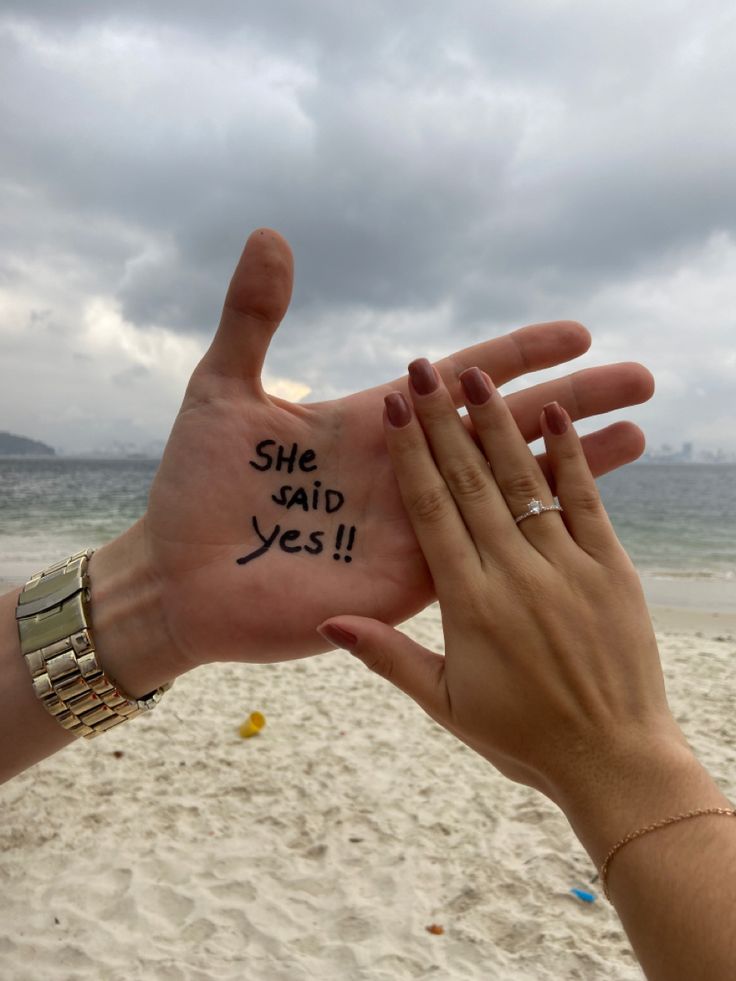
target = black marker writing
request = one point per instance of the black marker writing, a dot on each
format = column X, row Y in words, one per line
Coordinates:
column 349, row 545
column 290, row 497
column 287, row 542
column 267, row 543
column 284, row 459
column 290, row 536
column 316, row 539
column 271, row 455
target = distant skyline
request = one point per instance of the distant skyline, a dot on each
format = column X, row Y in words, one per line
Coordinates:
column 153, row 450
column 443, row 172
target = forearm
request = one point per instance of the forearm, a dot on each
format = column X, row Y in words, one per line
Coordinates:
column 672, row 887
column 129, row 633
column 28, row 733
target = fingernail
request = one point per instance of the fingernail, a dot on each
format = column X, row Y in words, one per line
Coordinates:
column 397, row 410
column 556, row 417
column 423, row 376
column 475, row 385
column 337, row 636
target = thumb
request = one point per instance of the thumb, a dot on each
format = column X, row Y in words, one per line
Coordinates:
column 417, row 671
column 256, row 302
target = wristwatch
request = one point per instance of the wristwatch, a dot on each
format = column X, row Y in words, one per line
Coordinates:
column 55, row 640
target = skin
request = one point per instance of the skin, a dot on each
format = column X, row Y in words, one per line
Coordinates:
column 206, row 493
column 551, row 669
column 169, row 594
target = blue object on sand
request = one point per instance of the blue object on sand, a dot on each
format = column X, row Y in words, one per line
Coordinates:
column 586, row 897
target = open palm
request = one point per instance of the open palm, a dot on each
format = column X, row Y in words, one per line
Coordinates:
column 267, row 517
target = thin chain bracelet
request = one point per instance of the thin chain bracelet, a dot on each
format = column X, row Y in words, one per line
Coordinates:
column 722, row 811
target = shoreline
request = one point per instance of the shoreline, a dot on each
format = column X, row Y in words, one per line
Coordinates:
column 712, row 625
column 709, row 595
column 702, row 607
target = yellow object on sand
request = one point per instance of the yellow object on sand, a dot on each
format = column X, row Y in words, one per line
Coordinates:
column 252, row 725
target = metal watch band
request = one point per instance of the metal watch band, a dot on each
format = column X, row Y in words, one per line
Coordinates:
column 55, row 640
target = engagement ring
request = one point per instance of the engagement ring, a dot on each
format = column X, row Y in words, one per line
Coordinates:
column 536, row 507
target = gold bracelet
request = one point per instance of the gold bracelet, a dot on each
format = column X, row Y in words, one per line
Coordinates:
column 722, row 811
column 57, row 646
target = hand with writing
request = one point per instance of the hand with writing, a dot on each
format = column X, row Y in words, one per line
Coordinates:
column 267, row 517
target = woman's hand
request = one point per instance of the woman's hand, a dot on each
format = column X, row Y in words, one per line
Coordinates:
column 551, row 669
column 266, row 517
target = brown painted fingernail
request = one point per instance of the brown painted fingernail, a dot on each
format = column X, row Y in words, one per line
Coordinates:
column 423, row 376
column 476, row 387
column 397, row 410
column 557, row 419
column 337, row 636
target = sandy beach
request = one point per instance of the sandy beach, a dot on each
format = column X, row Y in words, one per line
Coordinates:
column 324, row 848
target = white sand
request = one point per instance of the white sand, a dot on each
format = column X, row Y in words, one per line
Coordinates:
column 321, row 849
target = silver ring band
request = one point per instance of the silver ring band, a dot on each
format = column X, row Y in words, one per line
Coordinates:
column 536, row 507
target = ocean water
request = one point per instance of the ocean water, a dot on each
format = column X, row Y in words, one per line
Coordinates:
column 51, row 507
column 676, row 521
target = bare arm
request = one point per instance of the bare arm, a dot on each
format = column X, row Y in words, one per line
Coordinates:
column 673, row 887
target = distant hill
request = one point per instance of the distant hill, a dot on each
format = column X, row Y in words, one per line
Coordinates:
column 22, row 446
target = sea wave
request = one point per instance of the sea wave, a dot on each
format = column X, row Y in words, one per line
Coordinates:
column 678, row 575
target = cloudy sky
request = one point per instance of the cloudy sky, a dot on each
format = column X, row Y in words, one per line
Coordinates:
column 444, row 172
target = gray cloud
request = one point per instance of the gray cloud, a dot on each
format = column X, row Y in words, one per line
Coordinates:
column 129, row 377
column 443, row 173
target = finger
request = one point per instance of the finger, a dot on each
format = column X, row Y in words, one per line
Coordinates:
column 255, row 304
column 589, row 392
column 437, row 524
column 414, row 669
column 517, row 353
column 585, row 516
column 586, row 393
column 463, row 467
column 515, row 470
column 605, row 450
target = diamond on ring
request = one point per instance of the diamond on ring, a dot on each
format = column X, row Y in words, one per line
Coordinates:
column 536, row 507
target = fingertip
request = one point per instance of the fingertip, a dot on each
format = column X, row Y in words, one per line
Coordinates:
column 635, row 382
column 636, row 440
column 581, row 334
column 571, row 336
column 642, row 382
column 554, row 419
column 397, row 410
column 614, row 446
column 271, row 237
column 338, row 636
column 477, row 387
column 272, row 248
column 547, row 344
column 424, row 379
column 262, row 282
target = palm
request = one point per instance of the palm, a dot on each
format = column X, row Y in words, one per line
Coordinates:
column 249, row 568
column 200, row 522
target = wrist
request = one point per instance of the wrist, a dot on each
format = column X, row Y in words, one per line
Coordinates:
column 633, row 787
column 127, row 621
